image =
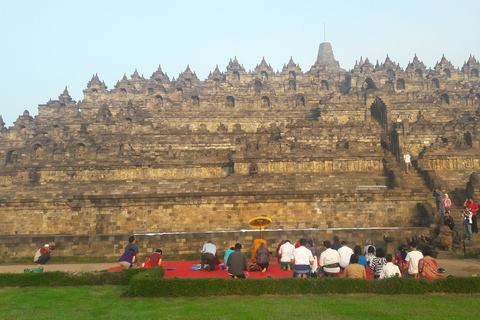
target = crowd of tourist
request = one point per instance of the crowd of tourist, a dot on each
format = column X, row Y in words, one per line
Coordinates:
column 336, row 259
column 355, row 263
column 468, row 215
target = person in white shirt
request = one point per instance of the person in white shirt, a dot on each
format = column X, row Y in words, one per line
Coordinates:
column 345, row 253
column 412, row 259
column 408, row 161
column 330, row 260
column 286, row 251
column 368, row 244
column 208, row 256
column 303, row 259
column 390, row 269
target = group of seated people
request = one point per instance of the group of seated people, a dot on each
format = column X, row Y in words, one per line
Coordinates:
column 354, row 263
column 235, row 260
column 131, row 257
column 304, row 259
column 414, row 264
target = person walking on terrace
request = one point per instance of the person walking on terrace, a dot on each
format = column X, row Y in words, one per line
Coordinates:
column 407, row 158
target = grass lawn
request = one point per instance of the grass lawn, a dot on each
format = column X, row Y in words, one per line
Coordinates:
column 105, row 302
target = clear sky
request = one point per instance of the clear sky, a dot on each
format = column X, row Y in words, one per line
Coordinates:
column 47, row 45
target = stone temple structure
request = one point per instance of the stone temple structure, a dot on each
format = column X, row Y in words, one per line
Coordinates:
column 175, row 157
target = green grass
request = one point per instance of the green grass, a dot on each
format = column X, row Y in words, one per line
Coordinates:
column 106, row 302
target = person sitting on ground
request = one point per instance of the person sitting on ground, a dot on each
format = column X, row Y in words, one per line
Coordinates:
column 336, row 243
column 400, row 258
column 370, row 254
column 155, row 259
column 42, row 255
column 345, row 253
column 256, row 245
column 354, row 270
column 389, row 270
column 278, row 249
column 227, row 253
column 286, row 251
column 330, row 260
column 361, row 258
column 314, row 254
column 131, row 245
column 303, row 260
column 209, row 251
column 127, row 259
column 262, row 257
column 412, row 258
column 368, row 244
column 237, row 263
column 377, row 263
column 427, row 266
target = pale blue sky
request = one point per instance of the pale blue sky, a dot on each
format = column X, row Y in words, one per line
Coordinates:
column 47, row 45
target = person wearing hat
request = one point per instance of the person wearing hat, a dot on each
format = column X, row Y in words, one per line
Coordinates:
column 42, row 255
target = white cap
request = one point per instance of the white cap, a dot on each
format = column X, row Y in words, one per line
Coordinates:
column 47, row 245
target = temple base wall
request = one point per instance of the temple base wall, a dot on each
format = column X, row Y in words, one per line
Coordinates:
column 88, row 215
column 112, row 245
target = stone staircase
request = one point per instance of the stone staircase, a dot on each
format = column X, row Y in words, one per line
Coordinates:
column 472, row 249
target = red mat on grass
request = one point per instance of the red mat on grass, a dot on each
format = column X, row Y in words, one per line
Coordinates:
column 182, row 270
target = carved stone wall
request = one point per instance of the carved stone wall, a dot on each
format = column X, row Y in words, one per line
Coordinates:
column 184, row 154
column 112, row 245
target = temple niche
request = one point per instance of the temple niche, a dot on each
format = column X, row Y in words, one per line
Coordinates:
column 183, row 154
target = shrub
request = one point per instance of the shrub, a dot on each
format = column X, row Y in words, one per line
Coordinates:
column 204, row 287
column 73, row 279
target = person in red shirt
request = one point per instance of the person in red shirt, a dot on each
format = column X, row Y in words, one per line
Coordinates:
column 155, row 258
column 474, row 208
column 42, row 255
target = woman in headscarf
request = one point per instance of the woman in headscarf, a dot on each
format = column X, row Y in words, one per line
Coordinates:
column 427, row 266
column 400, row 258
column 446, row 204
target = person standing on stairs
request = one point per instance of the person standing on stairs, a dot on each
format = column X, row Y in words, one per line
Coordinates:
column 437, row 194
column 407, row 158
column 474, row 208
column 446, row 204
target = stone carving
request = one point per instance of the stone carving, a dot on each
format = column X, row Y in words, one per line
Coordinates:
column 143, row 152
column 444, row 239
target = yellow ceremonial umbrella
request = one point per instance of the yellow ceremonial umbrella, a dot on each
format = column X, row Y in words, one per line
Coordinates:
column 260, row 223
